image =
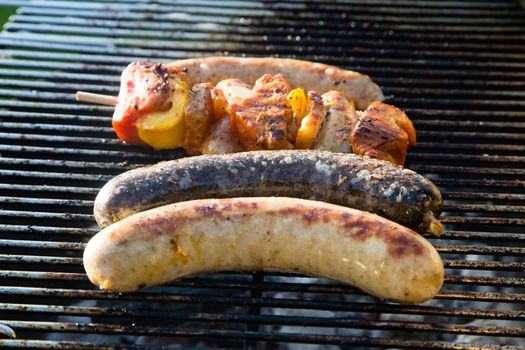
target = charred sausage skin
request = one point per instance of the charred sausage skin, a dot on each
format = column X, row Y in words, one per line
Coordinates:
column 272, row 233
column 398, row 194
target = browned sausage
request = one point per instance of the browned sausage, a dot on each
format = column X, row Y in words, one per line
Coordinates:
column 265, row 233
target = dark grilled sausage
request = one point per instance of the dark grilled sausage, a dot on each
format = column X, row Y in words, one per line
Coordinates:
column 363, row 183
column 270, row 233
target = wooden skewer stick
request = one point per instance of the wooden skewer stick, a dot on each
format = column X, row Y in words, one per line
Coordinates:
column 96, row 98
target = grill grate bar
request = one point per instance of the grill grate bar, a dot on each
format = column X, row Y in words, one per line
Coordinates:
column 166, row 55
column 54, row 117
column 477, row 235
column 67, row 164
column 484, row 220
column 47, row 201
column 35, row 174
column 12, row 258
column 40, row 244
column 262, row 319
column 475, row 124
column 66, row 76
column 478, row 183
column 17, row 200
column 394, row 84
column 46, row 215
column 477, row 135
column 415, row 113
column 475, row 4
column 48, row 230
column 53, row 106
column 58, row 127
column 486, row 208
column 484, row 195
column 47, row 188
column 183, row 30
column 406, row 7
column 267, row 286
column 63, row 86
column 508, row 282
column 111, row 142
column 293, row 303
column 436, row 169
column 447, row 195
column 376, row 70
column 268, row 337
column 59, row 152
column 230, row 41
column 466, row 147
column 79, row 139
column 65, row 151
column 497, row 92
column 252, row 16
column 467, row 157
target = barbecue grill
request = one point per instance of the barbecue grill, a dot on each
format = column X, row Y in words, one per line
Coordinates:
column 456, row 67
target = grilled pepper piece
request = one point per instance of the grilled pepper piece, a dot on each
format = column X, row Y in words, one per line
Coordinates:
column 151, row 103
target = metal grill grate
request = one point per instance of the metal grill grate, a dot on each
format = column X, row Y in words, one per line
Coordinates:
column 456, row 67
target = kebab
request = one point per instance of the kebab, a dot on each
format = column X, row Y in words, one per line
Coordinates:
column 186, row 103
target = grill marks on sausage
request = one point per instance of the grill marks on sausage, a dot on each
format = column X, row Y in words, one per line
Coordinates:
column 360, row 227
column 209, row 210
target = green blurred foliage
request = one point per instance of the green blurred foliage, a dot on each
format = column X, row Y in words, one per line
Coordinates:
column 5, row 12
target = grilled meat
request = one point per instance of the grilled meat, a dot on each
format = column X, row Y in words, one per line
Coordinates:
column 157, row 108
column 340, row 120
column 198, row 117
column 384, row 132
column 345, row 179
column 262, row 120
column 221, row 139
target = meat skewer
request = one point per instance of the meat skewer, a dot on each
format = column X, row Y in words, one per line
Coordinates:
column 164, row 106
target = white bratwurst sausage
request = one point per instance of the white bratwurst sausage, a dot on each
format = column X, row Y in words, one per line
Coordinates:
column 308, row 75
column 314, row 238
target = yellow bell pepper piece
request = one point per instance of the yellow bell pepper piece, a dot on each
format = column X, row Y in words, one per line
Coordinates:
column 312, row 122
column 166, row 129
column 164, row 139
column 299, row 102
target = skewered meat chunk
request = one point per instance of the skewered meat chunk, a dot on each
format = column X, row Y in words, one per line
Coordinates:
column 221, row 139
column 384, row 132
column 198, row 117
column 340, row 120
column 262, row 120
